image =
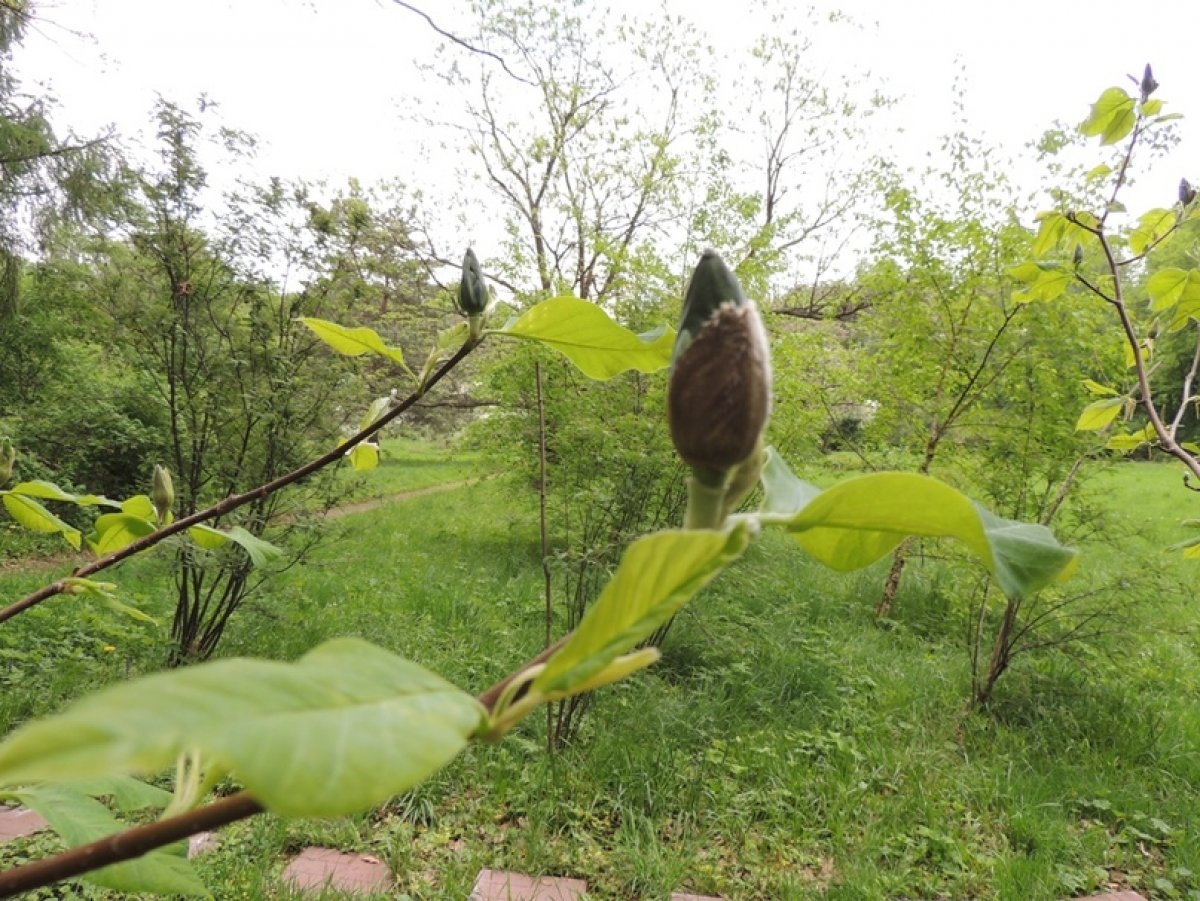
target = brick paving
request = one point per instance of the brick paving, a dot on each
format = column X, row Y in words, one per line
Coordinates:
column 320, row 868
column 18, row 821
column 497, row 885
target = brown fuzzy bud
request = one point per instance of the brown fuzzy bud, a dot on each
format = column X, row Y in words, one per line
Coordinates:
column 719, row 396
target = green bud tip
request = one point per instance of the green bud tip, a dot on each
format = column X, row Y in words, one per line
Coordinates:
column 162, row 492
column 472, row 289
column 719, row 397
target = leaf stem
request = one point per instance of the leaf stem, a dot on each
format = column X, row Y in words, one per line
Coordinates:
column 705, row 505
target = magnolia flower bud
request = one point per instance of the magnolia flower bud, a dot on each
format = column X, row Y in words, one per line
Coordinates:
column 719, row 396
column 8, row 456
column 472, row 289
column 162, row 493
column 1148, row 85
column 1186, row 192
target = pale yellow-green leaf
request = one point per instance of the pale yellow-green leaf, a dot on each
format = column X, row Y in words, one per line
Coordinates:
column 355, row 341
column 657, row 575
column 1099, row 390
column 590, row 339
column 33, row 516
column 363, row 456
column 1099, row 414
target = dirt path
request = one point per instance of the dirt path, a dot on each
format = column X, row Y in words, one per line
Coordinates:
column 68, row 558
column 363, row 506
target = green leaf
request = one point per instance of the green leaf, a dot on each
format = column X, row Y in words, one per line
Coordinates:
column 1152, row 107
column 207, row 537
column 1112, row 117
column 1098, row 172
column 51, row 492
column 658, row 574
column 33, row 516
column 104, row 592
column 1027, row 272
column 784, row 495
column 586, row 335
column 1098, row 414
column 1151, row 228
column 1099, row 390
column 1050, row 233
column 124, row 793
column 114, row 531
column 1166, row 287
column 455, row 336
column 354, row 342
column 140, row 506
column 1051, row 283
column 345, row 728
column 1131, row 441
column 261, row 552
column 80, row 819
column 379, row 406
column 363, row 456
column 862, row 519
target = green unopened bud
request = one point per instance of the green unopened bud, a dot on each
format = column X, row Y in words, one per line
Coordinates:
column 162, row 493
column 719, row 396
column 1186, row 192
column 1077, row 260
column 472, row 289
column 8, row 456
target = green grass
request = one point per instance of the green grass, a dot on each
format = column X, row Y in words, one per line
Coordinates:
column 786, row 746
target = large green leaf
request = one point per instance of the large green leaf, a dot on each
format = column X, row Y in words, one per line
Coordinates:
column 261, row 552
column 80, row 819
column 113, row 531
column 354, row 342
column 862, row 519
column 51, row 492
column 1099, row 414
column 1151, row 229
column 33, row 516
column 342, row 729
column 658, row 574
column 1112, row 117
column 586, row 335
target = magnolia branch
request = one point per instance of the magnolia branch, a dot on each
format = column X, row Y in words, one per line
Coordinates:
column 234, row 501
column 143, row 839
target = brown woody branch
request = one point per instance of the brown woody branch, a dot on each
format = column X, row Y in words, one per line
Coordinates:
column 143, row 839
column 235, row 500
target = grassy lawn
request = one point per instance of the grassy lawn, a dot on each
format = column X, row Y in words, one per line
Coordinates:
column 786, row 746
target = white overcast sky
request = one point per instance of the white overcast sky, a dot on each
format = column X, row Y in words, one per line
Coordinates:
column 325, row 84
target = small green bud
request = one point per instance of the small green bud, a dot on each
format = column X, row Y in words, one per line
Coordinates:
column 1078, row 258
column 8, row 456
column 162, row 493
column 1186, row 192
column 719, row 397
column 472, row 289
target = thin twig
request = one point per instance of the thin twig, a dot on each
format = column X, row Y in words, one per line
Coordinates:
column 456, row 39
